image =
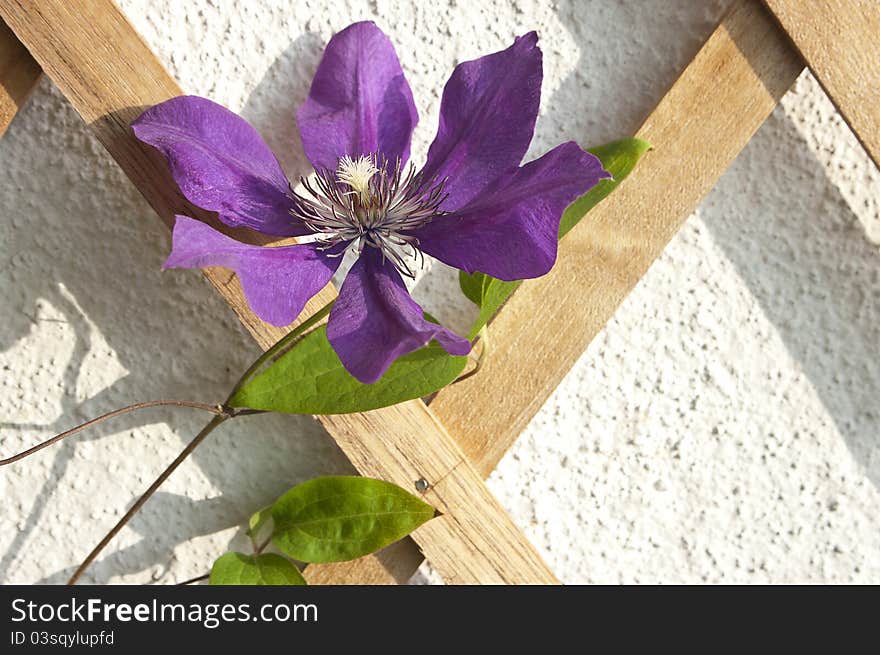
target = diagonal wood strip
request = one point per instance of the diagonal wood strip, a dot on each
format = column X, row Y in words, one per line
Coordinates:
column 98, row 61
column 698, row 129
column 19, row 74
column 840, row 41
column 403, row 558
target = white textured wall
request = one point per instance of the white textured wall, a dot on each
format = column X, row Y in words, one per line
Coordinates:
column 723, row 427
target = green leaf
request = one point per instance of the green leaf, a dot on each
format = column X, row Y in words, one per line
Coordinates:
column 334, row 519
column 265, row 569
column 471, row 286
column 310, row 379
column 493, row 293
column 257, row 521
column 618, row 158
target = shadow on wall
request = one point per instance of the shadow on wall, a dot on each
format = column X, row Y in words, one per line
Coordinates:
column 591, row 105
column 792, row 236
column 599, row 107
column 81, row 251
column 272, row 105
column 181, row 519
column 807, row 261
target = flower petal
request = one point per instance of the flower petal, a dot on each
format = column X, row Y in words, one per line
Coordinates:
column 277, row 282
column 220, row 163
column 359, row 101
column 510, row 231
column 375, row 320
column 487, row 118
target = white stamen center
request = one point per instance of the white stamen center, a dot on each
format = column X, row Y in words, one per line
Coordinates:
column 380, row 208
column 357, row 173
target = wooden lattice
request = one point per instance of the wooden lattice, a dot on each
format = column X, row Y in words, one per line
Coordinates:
column 102, row 66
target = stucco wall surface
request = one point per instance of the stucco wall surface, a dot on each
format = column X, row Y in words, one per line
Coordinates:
column 722, row 428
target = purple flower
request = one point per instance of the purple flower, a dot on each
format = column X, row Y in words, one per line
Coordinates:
column 471, row 206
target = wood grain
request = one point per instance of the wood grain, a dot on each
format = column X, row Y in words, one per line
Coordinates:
column 752, row 84
column 840, row 42
column 19, row 74
column 98, row 61
column 697, row 130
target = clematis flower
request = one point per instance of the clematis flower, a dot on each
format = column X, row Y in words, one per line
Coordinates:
column 471, row 205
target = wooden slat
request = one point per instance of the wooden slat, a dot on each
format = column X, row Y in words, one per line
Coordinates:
column 698, row 129
column 840, row 42
column 402, row 559
column 108, row 73
column 19, row 74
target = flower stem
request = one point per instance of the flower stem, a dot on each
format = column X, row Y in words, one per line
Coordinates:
column 199, row 578
column 223, row 412
column 483, row 338
column 191, row 446
column 214, row 409
column 280, row 346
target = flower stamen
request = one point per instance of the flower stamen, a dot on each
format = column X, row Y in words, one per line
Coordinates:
column 366, row 202
column 357, row 174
